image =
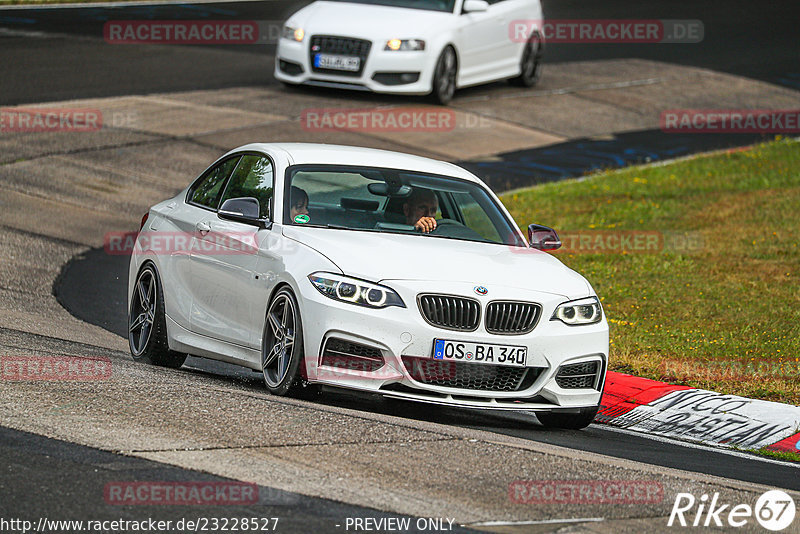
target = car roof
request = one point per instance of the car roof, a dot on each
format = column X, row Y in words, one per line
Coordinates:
column 319, row 153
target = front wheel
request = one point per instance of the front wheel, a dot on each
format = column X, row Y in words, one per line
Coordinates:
column 574, row 421
column 147, row 326
column 444, row 77
column 282, row 350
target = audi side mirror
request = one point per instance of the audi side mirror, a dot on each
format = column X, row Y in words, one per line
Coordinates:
column 475, row 6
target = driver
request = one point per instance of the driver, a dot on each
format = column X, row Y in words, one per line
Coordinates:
column 420, row 208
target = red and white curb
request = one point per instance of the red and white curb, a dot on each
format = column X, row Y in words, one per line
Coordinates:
column 689, row 414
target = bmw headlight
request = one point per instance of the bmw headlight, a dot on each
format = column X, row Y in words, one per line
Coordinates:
column 355, row 291
column 293, row 34
column 576, row 312
column 404, row 44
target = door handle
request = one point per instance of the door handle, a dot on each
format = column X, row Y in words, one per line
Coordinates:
column 203, row 227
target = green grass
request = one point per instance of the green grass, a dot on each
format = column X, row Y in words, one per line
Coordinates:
column 778, row 455
column 709, row 315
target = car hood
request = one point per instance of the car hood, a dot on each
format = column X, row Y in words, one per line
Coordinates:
column 380, row 257
column 378, row 23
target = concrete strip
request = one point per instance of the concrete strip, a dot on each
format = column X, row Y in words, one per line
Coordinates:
column 291, row 131
column 473, row 136
column 618, row 106
column 16, row 146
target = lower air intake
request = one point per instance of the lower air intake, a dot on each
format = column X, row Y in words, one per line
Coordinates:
column 352, row 356
column 477, row 377
column 578, row 375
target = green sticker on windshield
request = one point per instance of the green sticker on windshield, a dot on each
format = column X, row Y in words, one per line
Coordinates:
column 301, row 219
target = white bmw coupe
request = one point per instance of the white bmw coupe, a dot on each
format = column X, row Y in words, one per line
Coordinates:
column 370, row 270
column 412, row 47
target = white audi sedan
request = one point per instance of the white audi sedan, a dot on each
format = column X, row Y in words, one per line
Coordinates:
column 412, row 47
column 370, row 270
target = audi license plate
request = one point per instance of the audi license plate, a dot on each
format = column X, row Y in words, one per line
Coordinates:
column 462, row 351
column 334, row 62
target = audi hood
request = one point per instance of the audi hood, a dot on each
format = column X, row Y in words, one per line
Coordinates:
column 368, row 21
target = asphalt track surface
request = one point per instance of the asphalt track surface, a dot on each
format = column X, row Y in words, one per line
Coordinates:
column 74, row 478
column 743, row 38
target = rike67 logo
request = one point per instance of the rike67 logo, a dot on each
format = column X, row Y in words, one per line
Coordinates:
column 774, row 510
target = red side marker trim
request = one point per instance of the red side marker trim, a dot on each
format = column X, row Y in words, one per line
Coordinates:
column 624, row 392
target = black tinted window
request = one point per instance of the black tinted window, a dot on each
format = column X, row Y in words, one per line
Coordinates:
column 207, row 191
column 252, row 178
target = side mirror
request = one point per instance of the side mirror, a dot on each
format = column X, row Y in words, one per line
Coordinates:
column 475, row 6
column 242, row 209
column 543, row 237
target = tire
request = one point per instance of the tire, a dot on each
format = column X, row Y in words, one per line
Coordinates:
column 530, row 63
column 147, row 324
column 282, row 350
column 574, row 421
column 444, row 77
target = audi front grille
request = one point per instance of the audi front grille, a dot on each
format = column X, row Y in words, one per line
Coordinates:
column 340, row 46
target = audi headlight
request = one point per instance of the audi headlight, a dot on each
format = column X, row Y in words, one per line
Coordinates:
column 576, row 312
column 293, row 34
column 395, row 45
column 354, row 291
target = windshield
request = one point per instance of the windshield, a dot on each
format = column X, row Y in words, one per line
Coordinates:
column 430, row 5
column 393, row 201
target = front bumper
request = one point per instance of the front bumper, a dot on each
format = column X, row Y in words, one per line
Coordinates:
column 398, row 332
column 416, row 64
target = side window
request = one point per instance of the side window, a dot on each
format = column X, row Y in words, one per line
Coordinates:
column 207, row 192
column 475, row 217
column 253, row 177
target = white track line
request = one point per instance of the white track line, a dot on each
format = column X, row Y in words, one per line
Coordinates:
column 694, row 445
column 541, row 522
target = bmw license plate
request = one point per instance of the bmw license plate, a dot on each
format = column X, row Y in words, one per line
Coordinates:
column 462, row 351
column 334, row 62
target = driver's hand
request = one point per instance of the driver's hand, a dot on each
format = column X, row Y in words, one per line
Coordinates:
column 426, row 224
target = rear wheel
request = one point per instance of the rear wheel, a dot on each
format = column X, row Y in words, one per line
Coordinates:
column 282, row 352
column 568, row 420
column 444, row 77
column 147, row 325
column 531, row 63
